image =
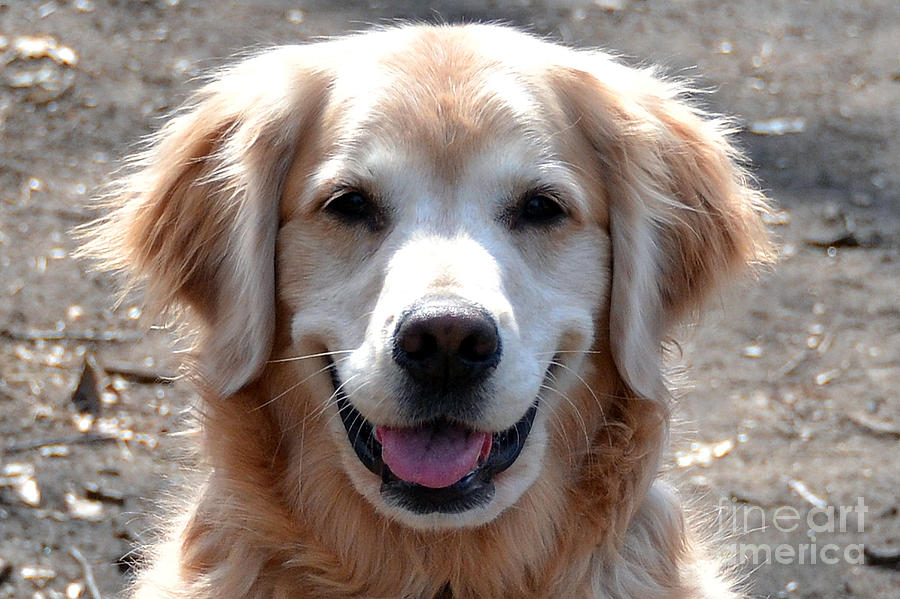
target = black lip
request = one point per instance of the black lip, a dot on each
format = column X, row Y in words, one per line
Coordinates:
column 473, row 490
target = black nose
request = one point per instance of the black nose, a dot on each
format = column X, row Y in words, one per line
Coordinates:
column 446, row 344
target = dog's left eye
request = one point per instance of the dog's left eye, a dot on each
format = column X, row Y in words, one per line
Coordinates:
column 353, row 207
column 540, row 209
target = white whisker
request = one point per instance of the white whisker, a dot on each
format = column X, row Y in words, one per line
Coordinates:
column 333, row 398
column 587, row 438
column 309, row 356
column 569, row 351
column 593, row 394
column 292, row 387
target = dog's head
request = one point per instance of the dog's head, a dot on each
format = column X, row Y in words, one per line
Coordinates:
column 461, row 242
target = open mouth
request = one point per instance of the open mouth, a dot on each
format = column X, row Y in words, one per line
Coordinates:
column 439, row 466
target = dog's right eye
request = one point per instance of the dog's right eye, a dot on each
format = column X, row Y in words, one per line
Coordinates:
column 353, row 207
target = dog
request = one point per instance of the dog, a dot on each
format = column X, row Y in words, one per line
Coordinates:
column 430, row 273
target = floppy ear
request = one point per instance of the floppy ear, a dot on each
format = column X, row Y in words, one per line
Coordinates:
column 196, row 220
column 683, row 216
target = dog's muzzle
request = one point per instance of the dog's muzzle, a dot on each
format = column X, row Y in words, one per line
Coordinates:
column 446, row 349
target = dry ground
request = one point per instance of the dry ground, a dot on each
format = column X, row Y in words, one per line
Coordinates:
column 794, row 398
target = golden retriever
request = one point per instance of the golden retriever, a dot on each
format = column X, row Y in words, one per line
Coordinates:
column 430, row 271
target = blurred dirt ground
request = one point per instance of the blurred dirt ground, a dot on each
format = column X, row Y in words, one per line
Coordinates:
column 793, row 400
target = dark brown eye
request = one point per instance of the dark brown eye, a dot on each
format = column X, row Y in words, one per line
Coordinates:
column 539, row 209
column 353, row 207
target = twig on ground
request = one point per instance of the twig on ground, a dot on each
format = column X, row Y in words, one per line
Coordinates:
column 137, row 374
column 70, row 440
column 88, row 573
column 843, row 239
column 66, row 213
column 883, row 557
column 64, row 335
column 875, row 425
column 792, row 364
column 800, row 488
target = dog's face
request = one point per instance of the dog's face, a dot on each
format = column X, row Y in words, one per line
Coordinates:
column 459, row 224
column 450, row 255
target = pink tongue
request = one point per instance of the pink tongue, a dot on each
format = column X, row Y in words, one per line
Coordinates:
column 433, row 458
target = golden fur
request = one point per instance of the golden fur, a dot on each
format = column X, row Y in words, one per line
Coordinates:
column 223, row 217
